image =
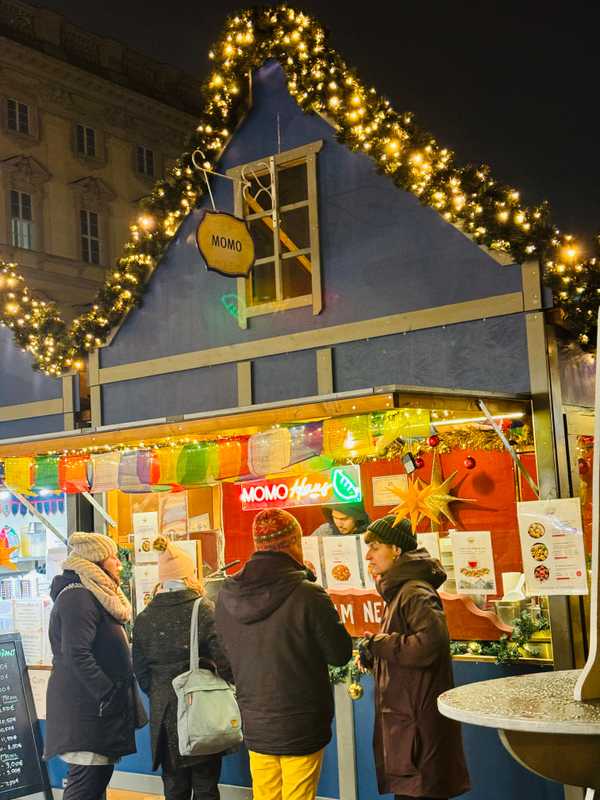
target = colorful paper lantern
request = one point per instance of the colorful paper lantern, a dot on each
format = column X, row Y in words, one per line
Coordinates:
column 18, row 474
column 104, row 472
column 138, row 469
column 230, row 454
column 197, row 464
column 167, row 462
column 46, row 473
column 73, row 474
column 269, row 451
column 306, row 441
column 348, row 437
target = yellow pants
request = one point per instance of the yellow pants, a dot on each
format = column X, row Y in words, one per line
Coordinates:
column 285, row 777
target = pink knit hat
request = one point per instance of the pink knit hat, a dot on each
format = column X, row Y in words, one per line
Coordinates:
column 173, row 563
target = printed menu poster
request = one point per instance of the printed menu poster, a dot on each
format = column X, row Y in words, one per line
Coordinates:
column 145, row 531
column 145, row 578
column 383, row 486
column 431, row 543
column 312, row 556
column 552, row 546
column 473, row 562
column 29, row 622
column 340, row 556
column 173, row 514
column 367, row 577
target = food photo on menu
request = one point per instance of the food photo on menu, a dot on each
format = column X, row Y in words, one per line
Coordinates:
column 340, row 559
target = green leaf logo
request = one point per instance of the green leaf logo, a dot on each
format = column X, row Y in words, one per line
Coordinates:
column 345, row 487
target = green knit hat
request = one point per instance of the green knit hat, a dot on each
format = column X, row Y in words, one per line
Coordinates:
column 385, row 531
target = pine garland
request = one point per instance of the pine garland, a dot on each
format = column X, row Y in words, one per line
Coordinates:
column 490, row 212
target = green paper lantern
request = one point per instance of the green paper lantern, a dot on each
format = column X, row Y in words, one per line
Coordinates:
column 198, row 464
column 46, row 473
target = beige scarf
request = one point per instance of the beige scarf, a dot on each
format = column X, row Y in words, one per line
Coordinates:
column 102, row 586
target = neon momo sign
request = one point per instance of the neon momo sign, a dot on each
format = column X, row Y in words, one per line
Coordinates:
column 338, row 485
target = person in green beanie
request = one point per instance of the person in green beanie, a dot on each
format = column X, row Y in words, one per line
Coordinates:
column 342, row 520
column 418, row 752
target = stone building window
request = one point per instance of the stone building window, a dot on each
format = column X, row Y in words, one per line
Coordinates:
column 90, row 236
column 86, row 141
column 145, row 161
column 17, row 116
column 277, row 196
column 21, row 220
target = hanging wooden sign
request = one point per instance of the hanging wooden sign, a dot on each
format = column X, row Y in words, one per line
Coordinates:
column 225, row 244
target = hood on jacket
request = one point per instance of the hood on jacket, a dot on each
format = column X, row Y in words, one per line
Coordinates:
column 262, row 586
column 416, row 565
column 61, row 582
column 354, row 510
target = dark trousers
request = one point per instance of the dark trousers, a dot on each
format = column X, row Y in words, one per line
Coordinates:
column 87, row 783
column 202, row 780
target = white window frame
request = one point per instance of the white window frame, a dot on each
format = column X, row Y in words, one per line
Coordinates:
column 22, row 230
column 307, row 154
column 19, row 105
column 144, row 152
column 86, row 238
column 86, row 129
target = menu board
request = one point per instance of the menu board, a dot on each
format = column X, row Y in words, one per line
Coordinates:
column 473, row 562
column 145, row 531
column 340, row 556
column 22, row 770
column 312, row 556
column 552, row 546
column 145, row 579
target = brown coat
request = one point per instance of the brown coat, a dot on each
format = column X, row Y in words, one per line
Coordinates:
column 418, row 752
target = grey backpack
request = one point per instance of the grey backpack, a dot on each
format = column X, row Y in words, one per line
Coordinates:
column 208, row 716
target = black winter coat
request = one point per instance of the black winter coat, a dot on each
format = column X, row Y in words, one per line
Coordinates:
column 161, row 651
column 92, row 702
column 280, row 631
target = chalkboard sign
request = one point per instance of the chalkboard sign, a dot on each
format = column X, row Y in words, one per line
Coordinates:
column 22, row 770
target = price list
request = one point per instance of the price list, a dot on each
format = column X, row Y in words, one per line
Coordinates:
column 21, row 770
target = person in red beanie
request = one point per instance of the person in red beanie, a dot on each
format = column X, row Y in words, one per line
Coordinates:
column 280, row 630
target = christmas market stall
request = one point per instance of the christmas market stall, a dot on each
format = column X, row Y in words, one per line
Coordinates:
column 318, row 310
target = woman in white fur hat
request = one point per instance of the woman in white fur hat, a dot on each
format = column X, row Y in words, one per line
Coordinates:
column 93, row 707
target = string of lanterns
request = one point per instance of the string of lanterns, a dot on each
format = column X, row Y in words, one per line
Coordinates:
column 491, row 213
column 312, row 446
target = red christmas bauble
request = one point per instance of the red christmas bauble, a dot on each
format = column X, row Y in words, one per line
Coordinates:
column 419, row 462
column 470, row 462
column 433, row 440
column 584, row 467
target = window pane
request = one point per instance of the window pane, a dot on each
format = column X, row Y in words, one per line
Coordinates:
column 140, row 161
column 95, row 251
column 26, row 206
column 26, row 235
column 263, row 283
column 14, row 232
column 90, row 137
column 23, row 118
column 80, row 139
column 12, row 115
column 256, row 196
column 294, row 225
column 85, row 253
column 292, row 184
column 262, row 235
column 149, row 163
column 15, row 207
column 296, row 278
column 93, row 224
column 84, row 222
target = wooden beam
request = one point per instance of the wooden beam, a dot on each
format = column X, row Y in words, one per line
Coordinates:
column 483, row 308
column 39, row 408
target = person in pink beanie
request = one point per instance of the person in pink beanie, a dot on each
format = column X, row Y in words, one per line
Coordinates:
column 161, row 651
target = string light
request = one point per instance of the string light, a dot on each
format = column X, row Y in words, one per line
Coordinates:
column 320, row 81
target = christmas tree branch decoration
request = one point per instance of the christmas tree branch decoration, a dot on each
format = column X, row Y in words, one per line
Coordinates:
column 491, row 213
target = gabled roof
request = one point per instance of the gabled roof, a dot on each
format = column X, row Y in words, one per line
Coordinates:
column 491, row 213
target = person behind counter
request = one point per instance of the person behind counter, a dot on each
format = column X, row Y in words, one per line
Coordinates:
column 161, row 651
column 343, row 519
column 92, row 704
column 418, row 752
column 280, row 631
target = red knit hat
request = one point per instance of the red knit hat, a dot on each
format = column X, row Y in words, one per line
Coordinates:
column 275, row 529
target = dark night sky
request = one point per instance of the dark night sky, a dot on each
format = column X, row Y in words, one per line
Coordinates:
column 513, row 84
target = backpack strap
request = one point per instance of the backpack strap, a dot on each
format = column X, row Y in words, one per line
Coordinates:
column 194, row 654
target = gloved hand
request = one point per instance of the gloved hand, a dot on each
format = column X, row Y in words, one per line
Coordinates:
column 364, row 660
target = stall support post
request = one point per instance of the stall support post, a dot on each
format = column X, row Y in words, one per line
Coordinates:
column 346, row 745
column 545, row 452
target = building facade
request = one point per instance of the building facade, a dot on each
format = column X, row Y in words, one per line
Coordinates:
column 86, row 128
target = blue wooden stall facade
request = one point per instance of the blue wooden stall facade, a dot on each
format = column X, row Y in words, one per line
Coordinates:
column 408, row 300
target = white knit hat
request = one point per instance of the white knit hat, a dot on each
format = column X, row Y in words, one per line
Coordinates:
column 94, row 547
